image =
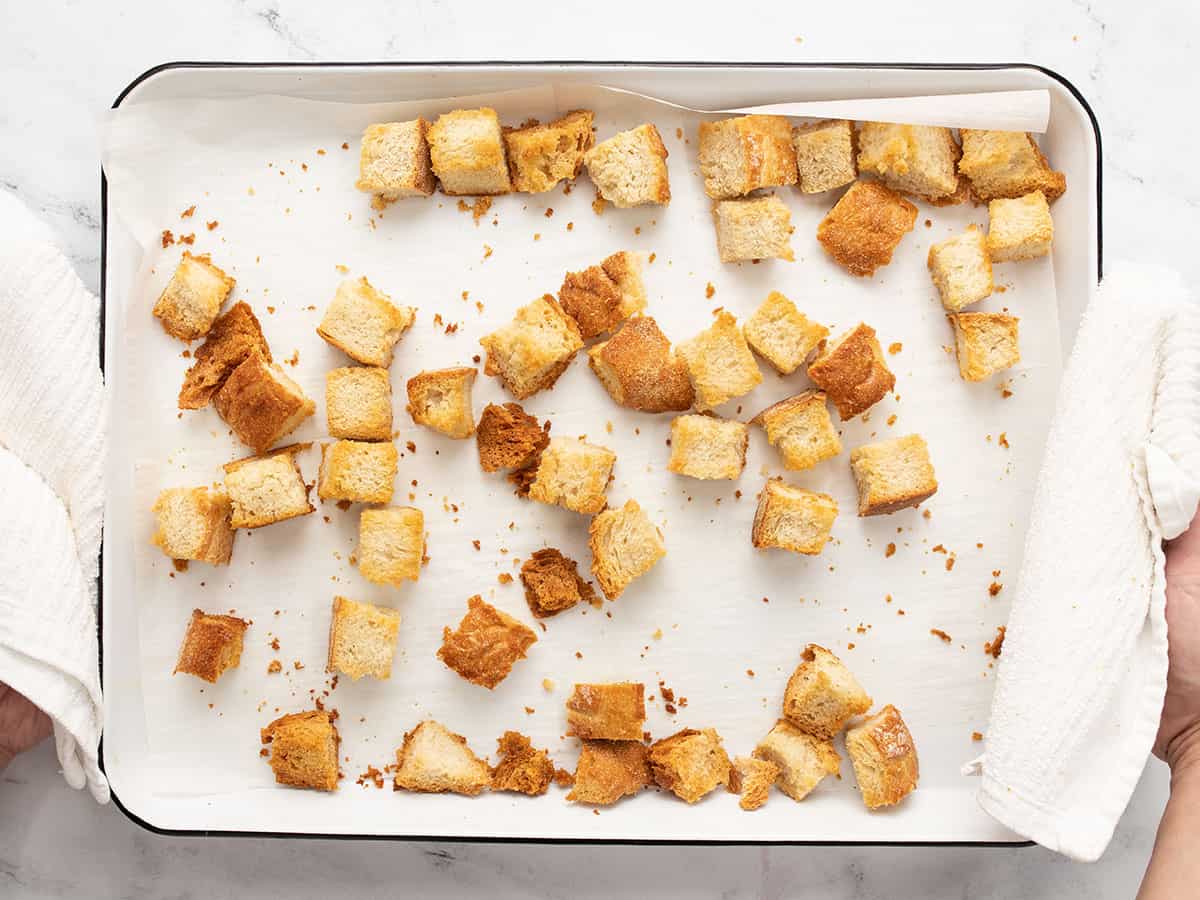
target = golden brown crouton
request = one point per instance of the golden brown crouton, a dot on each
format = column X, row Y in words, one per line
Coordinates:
column 267, row 489
column 625, row 545
column 466, row 150
column 610, row 770
column 509, row 438
column 212, row 644
column 552, row 583
column 914, row 159
column 434, row 760
column 523, row 769
column 394, row 161
column 792, row 518
column 540, row 156
column 357, row 471
column 441, row 400
column 391, row 544
column 189, row 304
column 803, row 760
column 720, row 363
column 822, row 695
column 690, row 763
column 703, row 446
column 362, row 639
column 364, row 324
column 961, row 269
column 746, row 153
column 573, row 474
column 601, row 297
column 358, row 403
column 865, row 226
column 233, row 336
column 824, row 155
column 304, row 750
column 609, row 712
column 884, row 758
column 852, row 371
column 753, row 228
column 534, row 349
column 630, row 168
column 801, row 428
column 892, row 475
column 485, row 645
column 1007, row 164
column 781, row 334
column 1020, row 228
column 986, row 343
column 640, row 371
column 193, row 523
column 261, row 403
column 752, row 778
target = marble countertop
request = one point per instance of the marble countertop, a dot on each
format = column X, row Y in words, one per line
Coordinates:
column 64, row 62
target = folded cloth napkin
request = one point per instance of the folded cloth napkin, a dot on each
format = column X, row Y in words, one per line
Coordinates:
column 51, row 479
column 1081, row 681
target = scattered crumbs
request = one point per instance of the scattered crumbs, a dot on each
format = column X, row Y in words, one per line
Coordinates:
column 326, row 518
column 547, row 684
column 343, row 505
column 851, row 645
column 891, row 420
column 342, row 269
column 475, row 359
column 679, row 134
column 749, row 673
column 487, row 251
column 653, row 257
column 1005, row 393
column 320, row 152
column 250, row 191
column 570, row 226
column 976, row 736
column 939, row 548
column 212, row 226
column 463, row 205
column 927, row 514
column 890, row 551
column 167, row 238
column 475, row 544
column 345, row 145
column 480, row 208
column 271, row 310
column 928, row 223
column 598, row 204
column 410, row 446
column 637, row 230
column 994, row 588
column 993, row 647
column 294, row 359
column 537, row 235
column 1003, row 440
column 895, row 348
column 181, row 565
column 950, row 562
column 274, row 645
column 371, row 776
column 657, row 634
column 887, row 598
column 188, row 239
column 529, row 710
column 938, row 633
column 578, row 655
column 766, row 600
column 709, row 290
column 275, row 667
column 504, row 578
column 549, row 213
column 737, row 495
column 979, row 545
column 264, row 752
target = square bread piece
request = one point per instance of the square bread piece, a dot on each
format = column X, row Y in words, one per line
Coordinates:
column 211, row 645
column 304, row 750
column 781, row 334
column 391, row 544
column 852, row 371
column 741, row 155
column 824, row 155
column 193, row 523
column 540, row 156
column 234, row 336
column 434, row 760
column 690, row 763
column 801, row 428
column 358, row 403
column 364, row 323
column 625, row 545
column 884, row 758
column 752, row 778
column 267, row 489
column 803, row 760
column 753, row 228
column 508, row 437
column 822, row 695
column 362, row 639
column 441, row 400
column 640, row 371
column 791, row 518
column 523, row 769
column 609, row 712
column 1007, row 164
column 865, row 226
column 610, row 770
column 961, row 269
column 574, row 475
column 1020, row 228
column 189, row 304
column 529, row 353
column 630, row 168
column 915, row 159
column 720, row 363
column 466, row 149
column 394, row 161
column 261, row 403
column 986, row 343
column 706, row 447
column 892, row 475
column 357, row 471
column 485, row 645
column 552, row 583
column 602, row 297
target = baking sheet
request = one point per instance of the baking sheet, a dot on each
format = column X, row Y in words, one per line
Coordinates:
column 288, row 218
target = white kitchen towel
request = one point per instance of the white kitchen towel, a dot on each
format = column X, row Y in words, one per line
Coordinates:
column 51, row 480
column 1081, row 680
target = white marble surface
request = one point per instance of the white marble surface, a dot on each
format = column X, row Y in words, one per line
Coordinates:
column 62, row 63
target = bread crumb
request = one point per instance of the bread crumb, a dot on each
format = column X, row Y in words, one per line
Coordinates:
column 211, row 226
column 976, row 736
column 890, row 551
column 657, row 634
column 487, row 251
column 598, row 204
column 938, row 633
column 895, row 348
column 994, row 588
column 709, row 290
column 504, row 578
column 275, row 667
column 993, row 647
column 891, row 420
column 1003, row 440
column 167, row 238
column 188, row 239
column 529, row 710
column 653, row 257
column 547, row 684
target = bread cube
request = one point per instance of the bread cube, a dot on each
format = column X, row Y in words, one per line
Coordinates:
column 746, row 153
column 822, row 695
column 961, row 269
column 690, row 763
column 357, row 471
column 466, row 149
column 609, row 712
column 791, row 518
column 752, row 778
column 892, row 475
column 540, row 156
column 434, row 760
column 753, row 228
column 803, row 760
column 625, row 545
column 986, row 343
column 362, row 639
column 781, row 334
column 602, row 297
column 703, row 446
column 630, row 168
column 394, row 161
column 801, row 428
column 640, row 371
column 441, row 400
column 304, row 750
column 485, row 645
column 358, row 403
column 884, row 758
column 610, row 770
column 915, row 159
column 212, row 644
column 824, row 155
column 508, row 437
column 720, row 363
column 1020, row 228
column 189, row 304
column 573, row 474
column 852, row 371
column 261, row 403
column 233, row 337
column 193, row 524
column 865, row 226
column 364, row 323
column 552, row 583
column 1007, row 164
column 523, row 769
column 534, row 349
column 267, row 489
column 391, row 544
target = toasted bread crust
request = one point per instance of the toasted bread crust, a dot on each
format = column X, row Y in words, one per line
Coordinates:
column 304, row 750
column 865, row 226
column 1007, row 164
column 456, row 769
column 690, row 763
column 625, row 545
column 852, row 371
column 552, row 583
column 609, row 712
column 530, row 353
column 523, row 769
column 509, row 438
column 822, row 695
column 746, row 153
column 610, row 770
column 212, row 644
column 234, row 335
column 884, row 758
column 892, row 475
column 752, row 778
column 639, row 370
column 441, row 400
column 250, row 509
column 260, row 403
column 540, row 156
column 485, row 645
column 187, row 310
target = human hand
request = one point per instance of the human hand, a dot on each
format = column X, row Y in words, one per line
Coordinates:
column 22, row 725
column 1178, row 740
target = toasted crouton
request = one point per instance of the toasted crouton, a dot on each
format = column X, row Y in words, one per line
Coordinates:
column 803, row 760
column 822, row 695
column 394, row 161
column 552, row 583
column 892, row 475
column 1020, row 228
column 466, row 150
column 609, row 712
column 781, row 334
column 364, row 323
column 986, row 343
column 1007, row 164
column 357, row 471
column 914, row 159
column 625, row 545
column 610, row 770
column 441, row 400
column 212, row 644
column 852, row 371
column 523, row 769
column 865, row 226
column 630, row 168
column 802, row 430
column 720, row 363
column 435, row 760
column 485, row 645
column 391, row 544
column 824, row 155
column 362, row 639
column 193, row 524
column 746, row 153
column 540, row 156
column 267, row 489
column 753, row 228
column 261, row 403
column 189, row 304
column 233, row 336
column 752, row 778
column 961, row 269
column 690, row 763
column 601, row 297
column 509, row 438
column 304, row 750
column 534, row 349
column 573, row 474
column 884, row 758
column 640, row 371
column 792, row 518
column 707, row 447
column 358, row 403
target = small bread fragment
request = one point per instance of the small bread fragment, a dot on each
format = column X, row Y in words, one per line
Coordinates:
column 441, row 400
column 625, row 545
column 212, row 644
column 362, row 639
column 781, row 334
column 801, row 428
column 753, row 228
column 572, row 474
column 1020, row 228
column 852, row 371
column 690, row 763
column 746, row 153
column 261, row 403
column 865, row 226
column 961, row 269
column 601, row 297
column 752, row 778
column 485, row 645
column 523, row 769
column 190, row 302
column 824, row 155
column 193, row 524
column 1007, row 164
column 267, row 489
column 610, row 712
column 391, row 544
column 803, row 760
column 630, row 168
column 884, row 758
column 364, row 324
column 791, row 518
column 434, row 760
column 509, row 438
column 358, row 403
column 540, row 156
column 640, row 371
column 986, row 343
column 914, row 159
column 394, row 161
column 703, row 446
column 720, row 363
column 822, row 695
column 534, row 349
column 466, row 150
column 357, row 471
column 304, row 750
column 610, row 770
column 552, row 583
column 233, row 336
column 892, row 475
